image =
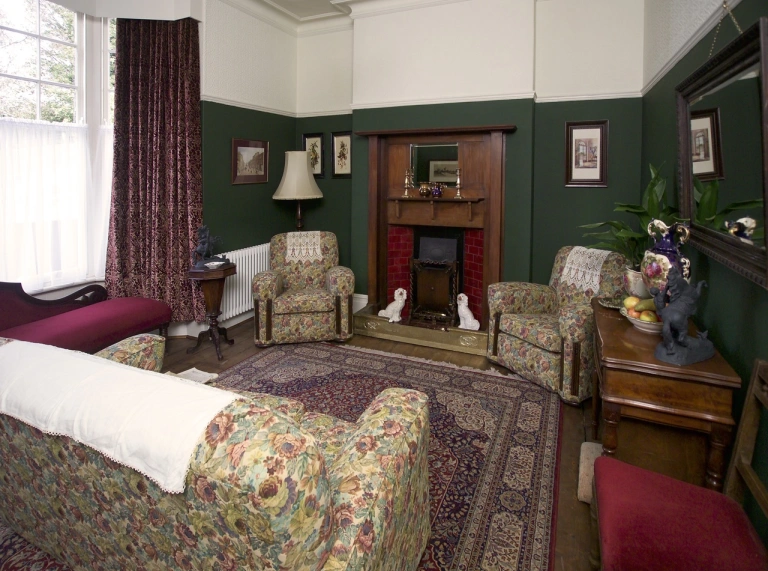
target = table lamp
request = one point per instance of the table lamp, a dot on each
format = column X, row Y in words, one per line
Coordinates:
column 298, row 182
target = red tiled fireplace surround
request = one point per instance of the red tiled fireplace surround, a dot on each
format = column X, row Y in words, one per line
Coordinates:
column 400, row 249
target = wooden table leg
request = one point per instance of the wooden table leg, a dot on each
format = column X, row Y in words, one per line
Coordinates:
column 611, row 417
column 719, row 439
column 596, row 402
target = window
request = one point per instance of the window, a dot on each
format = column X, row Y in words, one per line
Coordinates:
column 39, row 44
column 56, row 94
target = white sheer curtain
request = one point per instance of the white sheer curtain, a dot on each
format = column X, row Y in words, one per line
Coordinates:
column 54, row 203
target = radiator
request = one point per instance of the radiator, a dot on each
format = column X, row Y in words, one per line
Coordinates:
column 237, row 298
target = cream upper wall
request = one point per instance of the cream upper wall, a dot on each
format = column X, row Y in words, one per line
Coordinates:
column 465, row 51
column 324, row 74
column 247, row 62
column 589, row 49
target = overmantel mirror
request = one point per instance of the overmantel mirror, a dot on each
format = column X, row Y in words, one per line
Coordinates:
column 722, row 112
column 435, row 162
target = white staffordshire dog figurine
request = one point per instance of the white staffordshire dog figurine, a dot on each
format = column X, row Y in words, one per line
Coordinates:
column 393, row 309
column 467, row 320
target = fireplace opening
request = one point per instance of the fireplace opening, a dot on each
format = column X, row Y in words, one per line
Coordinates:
column 436, row 276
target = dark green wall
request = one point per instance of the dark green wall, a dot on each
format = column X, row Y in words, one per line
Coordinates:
column 519, row 171
column 245, row 214
column 734, row 310
column 558, row 211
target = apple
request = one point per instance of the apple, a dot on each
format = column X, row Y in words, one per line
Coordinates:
column 631, row 301
column 649, row 315
column 633, row 314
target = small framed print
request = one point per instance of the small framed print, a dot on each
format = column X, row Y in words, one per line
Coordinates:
column 342, row 154
column 250, row 161
column 313, row 142
column 443, row 171
column 706, row 146
column 586, row 162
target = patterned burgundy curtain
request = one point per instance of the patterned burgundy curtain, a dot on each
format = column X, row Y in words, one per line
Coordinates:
column 157, row 197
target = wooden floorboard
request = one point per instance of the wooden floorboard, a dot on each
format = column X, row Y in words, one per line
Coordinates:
column 674, row 452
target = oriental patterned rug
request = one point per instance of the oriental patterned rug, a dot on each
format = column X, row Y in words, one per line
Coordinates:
column 492, row 454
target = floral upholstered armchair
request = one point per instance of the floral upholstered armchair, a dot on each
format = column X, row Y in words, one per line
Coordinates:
column 306, row 295
column 545, row 333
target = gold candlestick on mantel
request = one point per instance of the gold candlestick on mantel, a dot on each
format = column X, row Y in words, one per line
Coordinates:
column 408, row 182
column 458, row 184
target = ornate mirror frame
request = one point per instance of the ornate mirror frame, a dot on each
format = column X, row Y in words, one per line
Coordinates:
column 746, row 51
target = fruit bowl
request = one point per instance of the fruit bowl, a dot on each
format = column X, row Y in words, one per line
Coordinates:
column 652, row 327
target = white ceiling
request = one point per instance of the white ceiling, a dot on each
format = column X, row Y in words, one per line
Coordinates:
column 304, row 10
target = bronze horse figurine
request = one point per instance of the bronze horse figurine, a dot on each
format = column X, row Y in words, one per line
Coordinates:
column 675, row 304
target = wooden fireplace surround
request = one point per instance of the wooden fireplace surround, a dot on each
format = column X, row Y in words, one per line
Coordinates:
column 482, row 151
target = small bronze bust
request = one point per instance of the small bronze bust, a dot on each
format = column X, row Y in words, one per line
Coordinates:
column 675, row 303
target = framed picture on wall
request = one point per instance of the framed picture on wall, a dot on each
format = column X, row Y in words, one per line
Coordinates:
column 586, row 156
column 250, row 161
column 706, row 147
column 313, row 142
column 342, row 154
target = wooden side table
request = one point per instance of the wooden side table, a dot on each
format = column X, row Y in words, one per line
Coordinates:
column 212, row 282
column 631, row 382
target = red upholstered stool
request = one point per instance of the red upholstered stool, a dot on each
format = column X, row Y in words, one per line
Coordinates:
column 646, row 521
column 651, row 521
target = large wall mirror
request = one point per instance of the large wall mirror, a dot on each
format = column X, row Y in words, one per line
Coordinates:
column 722, row 111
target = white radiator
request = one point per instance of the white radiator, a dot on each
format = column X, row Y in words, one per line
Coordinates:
column 237, row 298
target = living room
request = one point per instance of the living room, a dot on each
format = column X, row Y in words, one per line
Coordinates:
column 272, row 75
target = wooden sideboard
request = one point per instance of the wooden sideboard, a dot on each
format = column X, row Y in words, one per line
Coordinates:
column 631, row 382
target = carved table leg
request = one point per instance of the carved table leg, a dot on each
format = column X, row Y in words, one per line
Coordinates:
column 611, row 417
column 719, row 439
column 596, row 402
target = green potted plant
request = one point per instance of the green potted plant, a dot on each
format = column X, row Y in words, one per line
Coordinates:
column 631, row 243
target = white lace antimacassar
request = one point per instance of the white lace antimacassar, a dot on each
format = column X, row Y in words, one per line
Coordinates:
column 303, row 246
column 583, row 267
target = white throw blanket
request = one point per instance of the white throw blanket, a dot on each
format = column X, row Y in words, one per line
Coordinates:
column 583, row 266
column 303, row 246
column 142, row 419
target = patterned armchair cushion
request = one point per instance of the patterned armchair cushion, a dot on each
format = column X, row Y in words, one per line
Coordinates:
column 541, row 330
column 266, row 285
column 303, row 273
column 611, row 274
column 306, row 300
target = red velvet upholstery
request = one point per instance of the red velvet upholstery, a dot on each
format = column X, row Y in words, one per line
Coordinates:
column 649, row 521
column 93, row 327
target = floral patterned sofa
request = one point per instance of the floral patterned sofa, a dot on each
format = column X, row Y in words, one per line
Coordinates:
column 269, row 486
column 306, row 295
column 545, row 333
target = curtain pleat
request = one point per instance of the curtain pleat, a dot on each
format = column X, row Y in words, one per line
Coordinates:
column 157, row 196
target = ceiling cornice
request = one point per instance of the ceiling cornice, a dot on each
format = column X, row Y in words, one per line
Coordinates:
column 366, row 8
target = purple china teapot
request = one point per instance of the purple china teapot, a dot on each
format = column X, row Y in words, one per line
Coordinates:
column 665, row 253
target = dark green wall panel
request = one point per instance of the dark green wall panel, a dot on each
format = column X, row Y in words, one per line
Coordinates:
column 244, row 214
column 333, row 212
column 734, row 310
column 558, row 211
column 518, row 164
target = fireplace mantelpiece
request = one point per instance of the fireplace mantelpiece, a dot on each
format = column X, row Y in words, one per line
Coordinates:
column 481, row 159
